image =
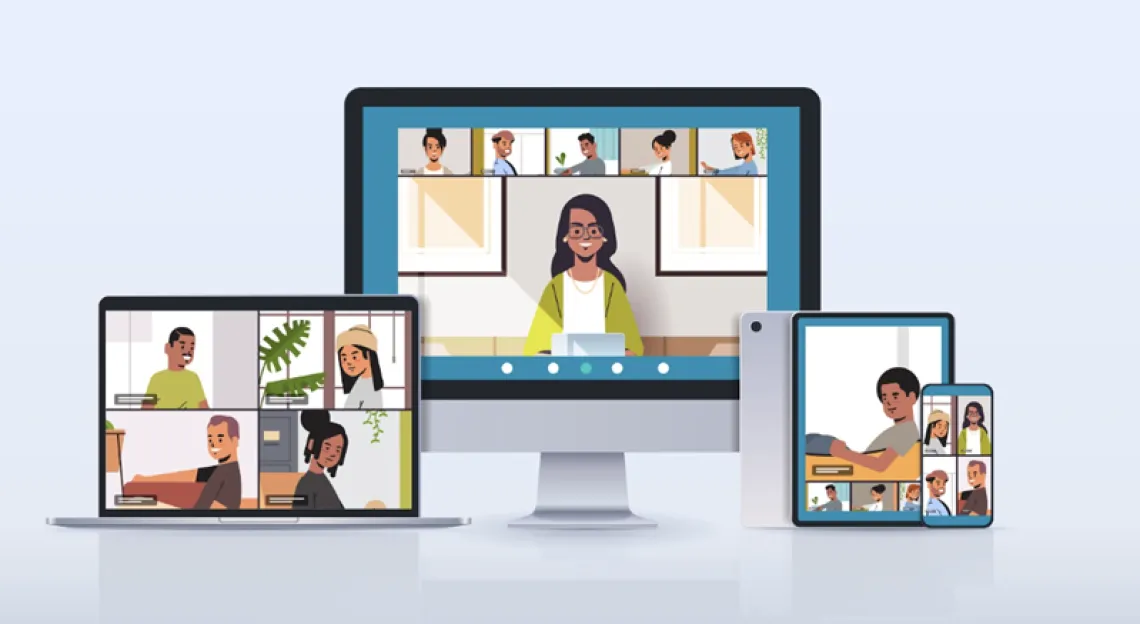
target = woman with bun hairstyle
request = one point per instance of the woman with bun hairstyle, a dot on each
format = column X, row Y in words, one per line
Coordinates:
column 325, row 451
column 359, row 368
column 662, row 145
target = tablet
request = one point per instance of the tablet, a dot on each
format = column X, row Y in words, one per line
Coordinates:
column 765, row 419
column 857, row 381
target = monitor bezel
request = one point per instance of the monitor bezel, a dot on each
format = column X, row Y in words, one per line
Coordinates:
column 805, row 99
column 404, row 303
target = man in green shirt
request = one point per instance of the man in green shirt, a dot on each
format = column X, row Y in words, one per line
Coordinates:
column 176, row 387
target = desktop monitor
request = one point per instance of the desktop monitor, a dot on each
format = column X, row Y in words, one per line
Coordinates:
column 582, row 258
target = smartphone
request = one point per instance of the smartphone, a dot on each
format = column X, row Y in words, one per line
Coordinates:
column 957, row 428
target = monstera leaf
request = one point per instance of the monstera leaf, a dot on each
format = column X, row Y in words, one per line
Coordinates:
column 295, row 386
column 284, row 344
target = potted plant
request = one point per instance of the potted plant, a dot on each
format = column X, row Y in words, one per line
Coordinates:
column 762, row 144
column 277, row 351
column 561, row 160
column 113, row 446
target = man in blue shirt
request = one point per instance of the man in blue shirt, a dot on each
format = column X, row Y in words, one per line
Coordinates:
column 501, row 142
column 936, row 483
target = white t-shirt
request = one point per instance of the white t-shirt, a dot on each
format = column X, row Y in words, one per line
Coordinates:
column 973, row 441
column 363, row 396
column 874, row 506
column 936, row 447
column 665, row 168
column 584, row 308
column 430, row 172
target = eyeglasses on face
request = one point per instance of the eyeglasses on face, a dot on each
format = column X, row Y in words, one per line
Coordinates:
column 578, row 232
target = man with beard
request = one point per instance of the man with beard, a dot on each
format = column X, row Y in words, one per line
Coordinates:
column 434, row 144
column 503, row 143
column 936, row 485
column 223, row 479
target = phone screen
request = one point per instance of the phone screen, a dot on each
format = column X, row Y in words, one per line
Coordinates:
column 957, row 456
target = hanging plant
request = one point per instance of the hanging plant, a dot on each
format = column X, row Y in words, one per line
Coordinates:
column 374, row 420
column 762, row 143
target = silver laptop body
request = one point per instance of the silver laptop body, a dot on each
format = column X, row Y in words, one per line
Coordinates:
column 243, row 518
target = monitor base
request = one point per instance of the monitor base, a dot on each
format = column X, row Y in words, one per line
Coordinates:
column 582, row 491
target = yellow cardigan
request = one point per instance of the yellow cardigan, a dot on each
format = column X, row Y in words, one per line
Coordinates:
column 548, row 316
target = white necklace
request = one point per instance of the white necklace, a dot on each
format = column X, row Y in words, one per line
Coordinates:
column 593, row 284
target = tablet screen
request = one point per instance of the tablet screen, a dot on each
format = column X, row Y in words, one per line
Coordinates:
column 857, row 383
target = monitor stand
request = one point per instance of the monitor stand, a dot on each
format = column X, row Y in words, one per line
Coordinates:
column 582, row 491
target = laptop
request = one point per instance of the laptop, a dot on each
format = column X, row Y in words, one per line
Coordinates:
column 598, row 345
column 259, row 412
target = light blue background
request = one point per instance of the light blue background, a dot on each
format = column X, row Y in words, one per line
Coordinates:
column 802, row 324
column 979, row 158
column 381, row 257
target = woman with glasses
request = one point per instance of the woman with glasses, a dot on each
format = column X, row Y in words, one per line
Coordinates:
column 587, row 292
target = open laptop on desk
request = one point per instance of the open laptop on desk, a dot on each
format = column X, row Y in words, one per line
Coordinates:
column 258, row 412
column 598, row 345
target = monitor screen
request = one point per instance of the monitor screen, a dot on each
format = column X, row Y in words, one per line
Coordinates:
column 274, row 410
column 551, row 244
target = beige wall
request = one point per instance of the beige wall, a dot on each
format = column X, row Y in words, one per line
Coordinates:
column 504, row 306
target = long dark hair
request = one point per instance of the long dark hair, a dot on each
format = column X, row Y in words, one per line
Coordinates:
column 981, row 416
column 564, row 256
column 348, row 381
column 321, row 427
column 930, row 432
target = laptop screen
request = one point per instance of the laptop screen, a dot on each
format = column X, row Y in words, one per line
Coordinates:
column 258, row 410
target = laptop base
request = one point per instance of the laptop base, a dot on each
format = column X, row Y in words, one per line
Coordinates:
column 582, row 491
column 258, row 523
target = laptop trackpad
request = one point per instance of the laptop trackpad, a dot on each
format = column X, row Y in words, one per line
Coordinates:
column 258, row 520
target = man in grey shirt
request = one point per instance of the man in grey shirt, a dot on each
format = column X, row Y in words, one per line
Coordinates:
column 898, row 390
column 833, row 503
column 592, row 165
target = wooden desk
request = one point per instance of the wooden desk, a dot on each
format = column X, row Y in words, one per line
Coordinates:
column 827, row 468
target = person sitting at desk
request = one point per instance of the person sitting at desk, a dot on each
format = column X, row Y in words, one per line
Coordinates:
column 833, row 503
column 744, row 149
column 587, row 292
column 913, row 493
column 592, row 165
column 876, row 498
column 897, row 390
column 662, row 146
column 223, row 480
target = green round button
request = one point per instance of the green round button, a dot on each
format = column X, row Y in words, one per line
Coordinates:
column 586, row 368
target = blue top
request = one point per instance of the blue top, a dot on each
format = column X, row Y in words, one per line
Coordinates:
column 935, row 507
column 502, row 167
column 746, row 168
column 910, row 506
